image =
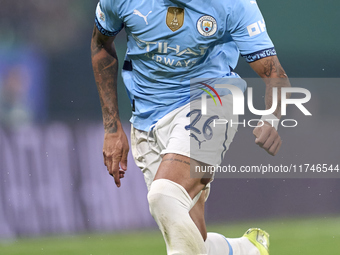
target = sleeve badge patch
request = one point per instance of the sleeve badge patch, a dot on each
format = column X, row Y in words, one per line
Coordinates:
column 100, row 14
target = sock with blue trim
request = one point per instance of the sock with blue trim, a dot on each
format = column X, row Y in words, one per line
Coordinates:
column 217, row 244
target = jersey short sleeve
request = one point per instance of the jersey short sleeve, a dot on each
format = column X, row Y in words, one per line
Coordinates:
column 247, row 28
column 107, row 18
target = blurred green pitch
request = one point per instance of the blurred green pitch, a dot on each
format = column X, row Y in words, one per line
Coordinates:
column 297, row 236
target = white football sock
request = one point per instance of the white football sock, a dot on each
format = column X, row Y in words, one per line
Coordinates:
column 217, row 244
column 169, row 205
column 242, row 246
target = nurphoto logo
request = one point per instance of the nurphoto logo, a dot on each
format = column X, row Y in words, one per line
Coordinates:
column 239, row 104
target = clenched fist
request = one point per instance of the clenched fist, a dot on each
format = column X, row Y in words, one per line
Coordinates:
column 268, row 138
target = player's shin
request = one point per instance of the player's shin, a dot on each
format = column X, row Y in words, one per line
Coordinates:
column 170, row 205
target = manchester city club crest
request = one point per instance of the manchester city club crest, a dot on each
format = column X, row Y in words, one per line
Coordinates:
column 207, row 25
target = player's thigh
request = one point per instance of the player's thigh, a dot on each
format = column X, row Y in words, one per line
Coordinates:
column 177, row 168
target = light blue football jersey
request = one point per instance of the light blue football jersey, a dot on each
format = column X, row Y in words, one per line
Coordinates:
column 171, row 42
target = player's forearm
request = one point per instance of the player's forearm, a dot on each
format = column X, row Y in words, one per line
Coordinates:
column 105, row 68
column 274, row 76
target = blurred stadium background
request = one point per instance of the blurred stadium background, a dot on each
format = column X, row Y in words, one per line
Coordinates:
column 55, row 194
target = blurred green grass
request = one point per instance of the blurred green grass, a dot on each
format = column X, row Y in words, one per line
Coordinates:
column 289, row 236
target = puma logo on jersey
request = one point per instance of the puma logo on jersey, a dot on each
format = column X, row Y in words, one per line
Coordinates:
column 199, row 142
column 253, row 2
column 145, row 17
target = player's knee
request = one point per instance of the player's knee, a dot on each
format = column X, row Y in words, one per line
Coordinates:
column 155, row 199
column 165, row 197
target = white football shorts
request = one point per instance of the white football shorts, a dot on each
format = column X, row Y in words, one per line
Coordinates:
column 185, row 131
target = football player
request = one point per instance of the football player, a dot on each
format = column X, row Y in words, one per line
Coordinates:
column 169, row 43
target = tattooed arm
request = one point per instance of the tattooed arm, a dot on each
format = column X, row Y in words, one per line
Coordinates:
column 105, row 68
column 273, row 75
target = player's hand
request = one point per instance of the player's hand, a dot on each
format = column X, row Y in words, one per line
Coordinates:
column 268, row 138
column 115, row 151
